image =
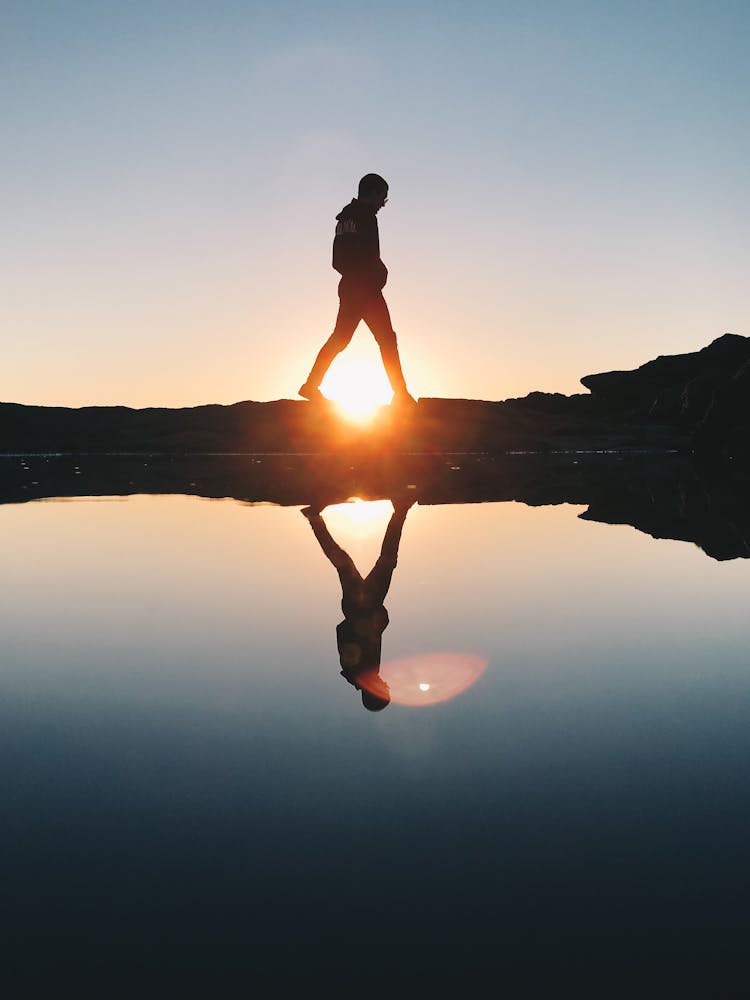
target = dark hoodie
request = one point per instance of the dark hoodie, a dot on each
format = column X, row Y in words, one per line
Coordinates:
column 356, row 248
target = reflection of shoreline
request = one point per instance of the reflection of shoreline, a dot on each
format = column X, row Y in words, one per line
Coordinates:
column 666, row 496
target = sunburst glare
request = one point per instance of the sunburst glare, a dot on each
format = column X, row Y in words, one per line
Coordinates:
column 359, row 388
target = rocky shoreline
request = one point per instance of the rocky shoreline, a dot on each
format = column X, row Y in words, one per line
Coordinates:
column 697, row 402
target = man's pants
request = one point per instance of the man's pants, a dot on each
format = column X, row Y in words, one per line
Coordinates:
column 374, row 311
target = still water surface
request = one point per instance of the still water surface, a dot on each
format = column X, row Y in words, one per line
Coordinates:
column 192, row 788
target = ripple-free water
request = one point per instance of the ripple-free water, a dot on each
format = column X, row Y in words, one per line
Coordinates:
column 194, row 791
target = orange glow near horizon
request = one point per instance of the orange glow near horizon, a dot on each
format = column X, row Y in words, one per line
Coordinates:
column 359, row 388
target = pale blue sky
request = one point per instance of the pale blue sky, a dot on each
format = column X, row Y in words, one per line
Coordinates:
column 568, row 190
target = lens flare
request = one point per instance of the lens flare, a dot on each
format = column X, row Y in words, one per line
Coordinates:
column 431, row 677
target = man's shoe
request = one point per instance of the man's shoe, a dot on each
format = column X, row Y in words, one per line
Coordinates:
column 311, row 392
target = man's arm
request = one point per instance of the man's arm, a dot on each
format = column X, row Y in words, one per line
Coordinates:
column 348, row 250
column 356, row 252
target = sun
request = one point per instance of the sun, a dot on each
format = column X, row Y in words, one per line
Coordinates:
column 359, row 387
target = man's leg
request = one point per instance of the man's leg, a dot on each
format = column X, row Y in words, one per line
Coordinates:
column 378, row 318
column 378, row 580
column 346, row 323
column 349, row 575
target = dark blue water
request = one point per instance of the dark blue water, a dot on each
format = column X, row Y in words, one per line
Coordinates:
column 193, row 793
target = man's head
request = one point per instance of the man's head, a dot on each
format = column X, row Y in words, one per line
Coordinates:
column 364, row 677
column 373, row 190
column 376, row 694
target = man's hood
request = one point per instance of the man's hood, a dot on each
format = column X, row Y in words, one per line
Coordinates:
column 355, row 210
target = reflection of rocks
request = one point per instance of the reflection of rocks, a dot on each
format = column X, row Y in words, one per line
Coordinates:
column 680, row 503
column 657, row 406
column 667, row 496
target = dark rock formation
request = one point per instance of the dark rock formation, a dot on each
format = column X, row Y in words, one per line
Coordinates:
column 725, row 426
column 705, row 393
column 541, row 422
column 700, row 398
column 274, row 426
column 671, row 385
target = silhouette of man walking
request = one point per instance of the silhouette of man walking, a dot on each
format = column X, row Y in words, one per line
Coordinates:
column 356, row 256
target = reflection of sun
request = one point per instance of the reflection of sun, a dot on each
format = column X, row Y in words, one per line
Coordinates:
column 358, row 387
column 358, row 526
column 358, row 516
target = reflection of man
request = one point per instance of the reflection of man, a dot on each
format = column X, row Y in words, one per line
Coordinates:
column 358, row 636
column 356, row 256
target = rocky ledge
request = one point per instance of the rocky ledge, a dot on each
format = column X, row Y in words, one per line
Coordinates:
column 697, row 402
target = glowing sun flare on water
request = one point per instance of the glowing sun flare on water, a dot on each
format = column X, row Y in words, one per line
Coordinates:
column 359, row 389
column 429, row 678
column 358, row 516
